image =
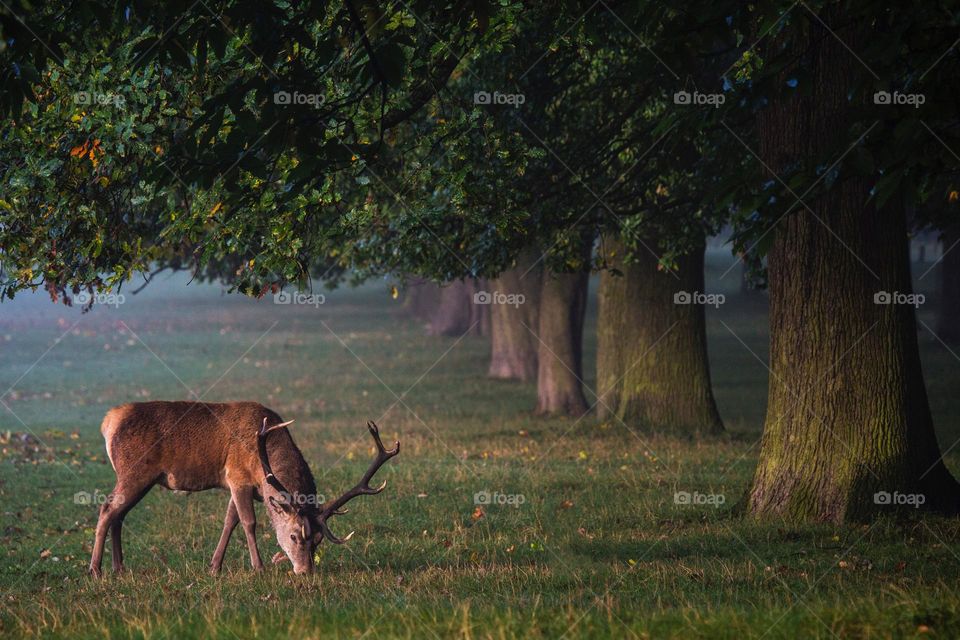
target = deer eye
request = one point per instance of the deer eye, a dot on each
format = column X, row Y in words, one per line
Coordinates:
column 293, row 537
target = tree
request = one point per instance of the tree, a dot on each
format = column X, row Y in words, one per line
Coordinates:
column 847, row 418
column 513, row 346
column 563, row 306
column 652, row 365
column 457, row 313
column 842, row 154
column 652, row 362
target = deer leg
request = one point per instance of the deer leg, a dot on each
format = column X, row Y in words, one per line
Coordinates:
column 116, row 547
column 229, row 524
column 123, row 508
column 112, row 512
column 243, row 500
column 107, row 516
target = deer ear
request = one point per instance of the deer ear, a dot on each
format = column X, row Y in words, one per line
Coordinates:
column 279, row 507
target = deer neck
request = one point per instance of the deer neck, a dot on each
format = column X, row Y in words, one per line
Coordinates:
column 293, row 472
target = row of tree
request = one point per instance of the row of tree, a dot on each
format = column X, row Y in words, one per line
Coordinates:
column 263, row 143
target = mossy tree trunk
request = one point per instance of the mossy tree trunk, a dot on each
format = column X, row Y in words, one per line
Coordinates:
column 652, row 368
column 513, row 347
column 948, row 316
column 563, row 304
column 847, row 414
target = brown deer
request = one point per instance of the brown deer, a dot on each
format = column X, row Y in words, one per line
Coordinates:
column 193, row 446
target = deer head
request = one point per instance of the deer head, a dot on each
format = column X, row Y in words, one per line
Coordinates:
column 301, row 524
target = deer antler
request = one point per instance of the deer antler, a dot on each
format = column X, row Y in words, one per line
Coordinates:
column 362, row 488
column 264, row 462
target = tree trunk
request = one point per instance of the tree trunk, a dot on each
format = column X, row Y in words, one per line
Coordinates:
column 948, row 317
column 848, row 426
column 563, row 304
column 420, row 298
column 514, row 314
column 457, row 311
column 652, row 368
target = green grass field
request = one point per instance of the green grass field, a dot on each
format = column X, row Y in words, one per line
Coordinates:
column 598, row 547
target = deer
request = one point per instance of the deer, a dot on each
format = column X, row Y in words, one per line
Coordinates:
column 242, row 447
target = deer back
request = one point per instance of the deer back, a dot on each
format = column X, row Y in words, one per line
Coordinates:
column 193, row 446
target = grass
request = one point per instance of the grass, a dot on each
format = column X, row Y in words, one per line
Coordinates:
column 597, row 549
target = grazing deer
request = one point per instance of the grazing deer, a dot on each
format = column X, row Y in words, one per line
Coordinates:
column 193, row 446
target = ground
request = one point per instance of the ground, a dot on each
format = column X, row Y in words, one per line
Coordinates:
column 584, row 536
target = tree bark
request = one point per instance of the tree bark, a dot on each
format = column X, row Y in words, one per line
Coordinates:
column 652, row 367
column 563, row 304
column 848, row 420
column 513, row 348
column 948, row 315
column 457, row 312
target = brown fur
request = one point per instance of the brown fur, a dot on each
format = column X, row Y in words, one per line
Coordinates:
column 193, row 446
